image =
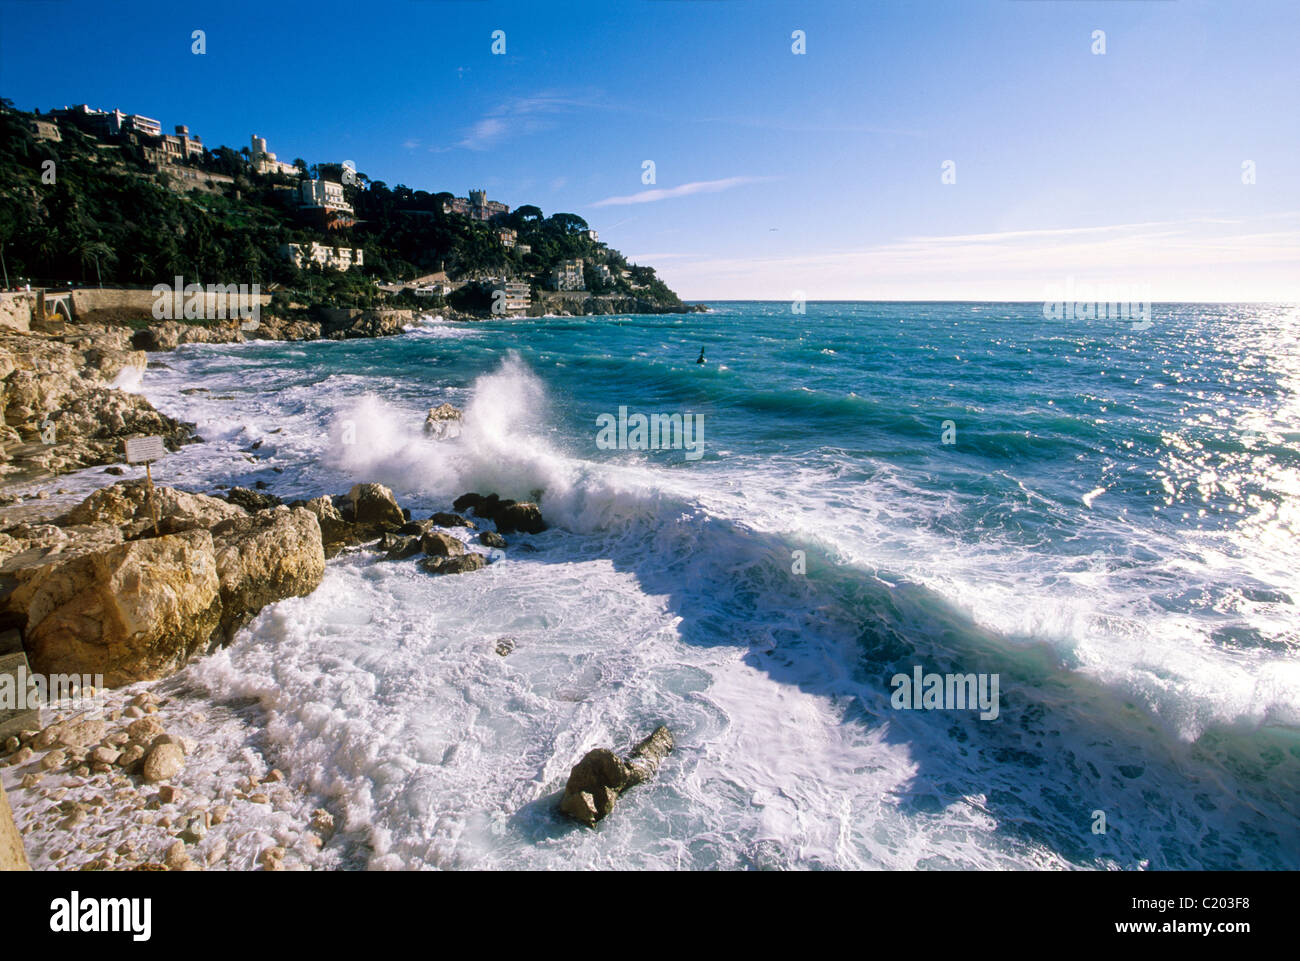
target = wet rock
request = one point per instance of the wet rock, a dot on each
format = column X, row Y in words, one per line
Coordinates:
column 492, row 539
column 439, row 544
column 144, row 730
column 163, row 763
column 406, row 547
column 105, row 755
column 461, row 564
column 375, row 507
column 601, row 776
column 82, row 732
column 269, row 556
column 251, row 500
column 272, row 859
column 176, row 858
column 444, row 519
column 508, row 515
column 131, row 755
column 443, row 422
column 505, row 645
column 336, row 532
column 525, row 517
column 322, row 822
column 216, row 852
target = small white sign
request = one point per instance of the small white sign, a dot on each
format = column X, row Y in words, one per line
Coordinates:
column 141, row 449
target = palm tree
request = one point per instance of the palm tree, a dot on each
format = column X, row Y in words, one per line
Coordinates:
column 95, row 251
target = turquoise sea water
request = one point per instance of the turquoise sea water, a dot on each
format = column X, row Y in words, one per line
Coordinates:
column 1104, row 517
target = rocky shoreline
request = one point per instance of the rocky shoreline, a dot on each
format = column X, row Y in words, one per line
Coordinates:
column 132, row 588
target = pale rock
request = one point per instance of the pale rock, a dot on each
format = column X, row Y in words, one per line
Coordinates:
column 163, row 762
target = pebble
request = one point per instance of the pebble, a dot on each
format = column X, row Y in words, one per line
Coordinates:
column 322, row 822
column 143, row 730
column 217, row 851
column 176, row 856
column 163, row 763
column 272, row 859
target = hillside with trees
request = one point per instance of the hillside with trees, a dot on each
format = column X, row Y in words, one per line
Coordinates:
column 92, row 210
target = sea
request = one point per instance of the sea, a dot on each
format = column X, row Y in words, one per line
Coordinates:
column 1096, row 518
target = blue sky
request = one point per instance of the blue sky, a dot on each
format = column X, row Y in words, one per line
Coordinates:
column 776, row 173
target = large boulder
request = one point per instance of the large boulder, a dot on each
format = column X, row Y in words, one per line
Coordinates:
column 266, row 557
column 125, row 505
column 135, row 611
column 441, row 544
column 335, row 532
column 509, row 516
column 525, row 517
column 596, row 781
column 339, row 323
column 375, row 508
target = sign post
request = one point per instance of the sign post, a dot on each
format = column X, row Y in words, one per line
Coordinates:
column 147, row 450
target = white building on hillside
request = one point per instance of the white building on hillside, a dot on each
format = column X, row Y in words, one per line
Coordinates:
column 339, row 258
column 265, row 163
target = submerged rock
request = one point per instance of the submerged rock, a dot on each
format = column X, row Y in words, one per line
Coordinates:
column 492, row 539
column 596, row 781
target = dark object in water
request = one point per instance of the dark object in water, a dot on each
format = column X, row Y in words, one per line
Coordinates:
column 700, row 359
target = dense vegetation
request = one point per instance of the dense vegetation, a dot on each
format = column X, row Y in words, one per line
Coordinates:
column 102, row 213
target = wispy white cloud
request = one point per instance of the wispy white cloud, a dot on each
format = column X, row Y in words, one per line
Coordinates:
column 683, row 190
column 520, row 116
column 1192, row 259
column 484, row 134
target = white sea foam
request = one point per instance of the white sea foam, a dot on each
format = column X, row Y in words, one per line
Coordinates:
column 657, row 597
